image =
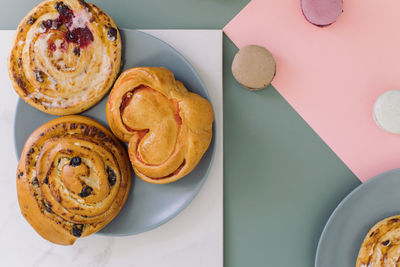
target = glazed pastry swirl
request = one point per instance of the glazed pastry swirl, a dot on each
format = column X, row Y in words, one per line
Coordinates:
column 168, row 128
column 65, row 56
column 381, row 246
column 73, row 178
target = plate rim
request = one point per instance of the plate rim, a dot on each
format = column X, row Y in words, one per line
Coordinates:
column 340, row 205
column 213, row 142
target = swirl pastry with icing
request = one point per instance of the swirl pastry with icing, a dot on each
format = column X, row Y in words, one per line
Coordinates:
column 65, row 57
column 381, row 246
column 73, row 178
column 168, row 128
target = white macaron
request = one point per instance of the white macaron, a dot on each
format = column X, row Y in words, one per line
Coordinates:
column 387, row 111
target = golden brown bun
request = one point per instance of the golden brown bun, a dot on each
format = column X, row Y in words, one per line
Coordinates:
column 168, row 128
column 73, row 178
column 65, row 57
column 381, row 244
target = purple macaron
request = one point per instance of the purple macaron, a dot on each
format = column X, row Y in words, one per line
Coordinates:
column 322, row 12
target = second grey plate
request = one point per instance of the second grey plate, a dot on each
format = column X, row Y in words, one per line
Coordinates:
column 345, row 230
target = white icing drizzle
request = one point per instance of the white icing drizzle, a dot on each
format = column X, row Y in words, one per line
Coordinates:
column 80, row 20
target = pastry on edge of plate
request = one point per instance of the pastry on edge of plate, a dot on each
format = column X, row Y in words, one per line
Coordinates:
column 381, row 245
column 167, row 127
column 65, row 56
column 73, row 178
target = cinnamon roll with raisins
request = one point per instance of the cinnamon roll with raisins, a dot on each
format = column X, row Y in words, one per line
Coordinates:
column 73, row 178
column 381, row 246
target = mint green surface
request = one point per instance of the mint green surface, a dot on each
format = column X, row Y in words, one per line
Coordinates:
column 281, row 180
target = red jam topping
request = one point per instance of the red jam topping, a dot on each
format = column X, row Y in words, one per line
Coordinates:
column 81, row 36
column 65, row 16
column 52, row 46
column 63, row 46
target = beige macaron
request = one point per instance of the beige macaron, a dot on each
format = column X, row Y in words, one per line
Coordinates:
column 254, row 67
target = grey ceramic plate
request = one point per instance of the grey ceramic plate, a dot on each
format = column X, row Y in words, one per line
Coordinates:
column 148, row 205
column 345, row 230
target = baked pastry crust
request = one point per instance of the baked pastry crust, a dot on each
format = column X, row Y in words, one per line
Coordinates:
column 381, row 245
column 73, row 178
column 65, row 56
column 168, row 128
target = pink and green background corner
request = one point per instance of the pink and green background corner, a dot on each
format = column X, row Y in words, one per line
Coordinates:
column 333, row 75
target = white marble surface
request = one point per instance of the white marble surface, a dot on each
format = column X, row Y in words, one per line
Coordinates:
column 193, row 238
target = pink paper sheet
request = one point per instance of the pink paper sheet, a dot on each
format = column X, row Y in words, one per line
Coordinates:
column 332, row 76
